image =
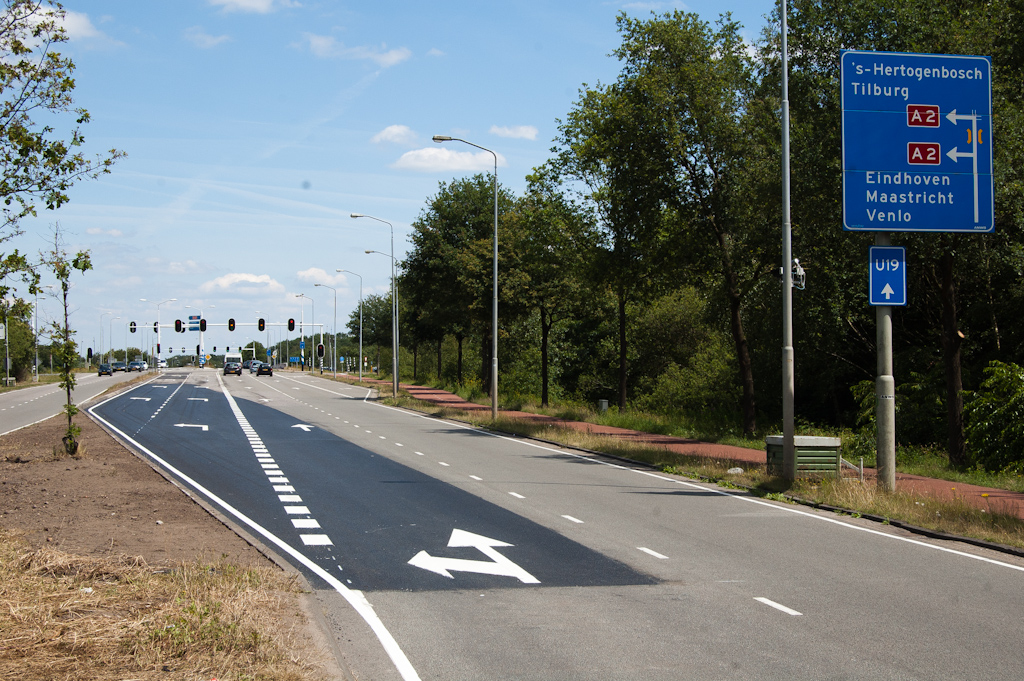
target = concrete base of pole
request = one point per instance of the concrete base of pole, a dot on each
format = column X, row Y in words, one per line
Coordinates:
column 885, row 423
column 788, row 446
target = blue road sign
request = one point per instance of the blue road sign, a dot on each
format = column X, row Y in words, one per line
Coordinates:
column 302, row 345
column 193, row 328
column 917, row 142
column 887, row 281
column 294, row 359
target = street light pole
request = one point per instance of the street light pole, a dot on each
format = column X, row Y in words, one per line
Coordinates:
column 334, row 329
column 394, row 304
column 789, row 457
column 494, row 302
column 160, row 349
column 302, row 338
column 102, row 348
column 360, row 321
column 111, row 337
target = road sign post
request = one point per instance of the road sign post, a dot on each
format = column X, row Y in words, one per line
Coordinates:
column 917, row 157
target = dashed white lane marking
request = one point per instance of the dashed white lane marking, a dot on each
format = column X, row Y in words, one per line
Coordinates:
column 316, row 540
column 778, row 606
column 283, row 488
column 443, row 463
column 296, row 510
column 650, row 552
column 420, row 453
column 305, row 524
column 575, row 520
column 517, row 496
column 290, row 498
column 399, row 444
column 475, row 477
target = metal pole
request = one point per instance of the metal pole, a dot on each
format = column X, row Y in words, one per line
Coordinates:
column 788, row 370
column 885, row 393
column 35, row 322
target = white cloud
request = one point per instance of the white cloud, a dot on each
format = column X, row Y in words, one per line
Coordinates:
column 434, row 52
column 78, row 26
column 186, row 267
column 440, row 159
column 523, row 132
column 315, row 275
column 397, row 134
column 96, row 231
column 327, row 47
column 240, row 282
column 257, row 6
column 197, row 37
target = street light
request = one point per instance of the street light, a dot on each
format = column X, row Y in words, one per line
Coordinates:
column 102, row 315
column 334, row 329
column 394, row 323
column 160, row 352
column 494, row 302
column 111, row 336
column 302, row 338
column 394, row 303
column 360, row 321
column 35, row 321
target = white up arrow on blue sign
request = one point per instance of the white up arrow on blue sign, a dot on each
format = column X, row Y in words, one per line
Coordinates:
column 888, row 275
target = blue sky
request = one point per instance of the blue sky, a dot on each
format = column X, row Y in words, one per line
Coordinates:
column 253, row 128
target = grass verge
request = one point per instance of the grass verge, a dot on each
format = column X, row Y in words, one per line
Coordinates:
column 71, row 617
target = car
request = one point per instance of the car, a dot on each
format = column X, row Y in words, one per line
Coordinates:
column 247, row 363
column 255, row 366
column 233, row 368
column 265, row 369
column 161, row 364
column 136, row 366
column 105, row 369
column 118, row 366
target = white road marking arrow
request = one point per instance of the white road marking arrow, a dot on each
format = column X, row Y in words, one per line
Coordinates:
column 303, row 426
column 199, row 399
column 954, row 154
column 498, row 565
column 888, row 292
column 146, row 399
column 191, row 425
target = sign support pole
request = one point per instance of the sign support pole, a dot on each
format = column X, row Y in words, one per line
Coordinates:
column 789, row 459
column 885, row 393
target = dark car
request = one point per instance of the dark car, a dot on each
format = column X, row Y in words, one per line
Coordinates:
column 105, row 369
column 265, row 370
column 119, row 366
column 233, row 368
column 136, row 366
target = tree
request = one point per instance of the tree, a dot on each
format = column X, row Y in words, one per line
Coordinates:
column 555, row 242
column 377, row 315
column 37, row 163
column 63, row 337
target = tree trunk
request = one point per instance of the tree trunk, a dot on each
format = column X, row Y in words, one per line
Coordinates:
column 739, row 339
column 458, row 365
column 952, row 340
column 545, row 329
column 415, row 357
column 485, row 363
column 623, row 365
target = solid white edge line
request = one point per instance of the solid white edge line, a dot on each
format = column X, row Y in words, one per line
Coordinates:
column 724, row 493
column 354, row 597
column 779, row 606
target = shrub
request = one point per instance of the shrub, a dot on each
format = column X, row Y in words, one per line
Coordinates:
column 994, row 419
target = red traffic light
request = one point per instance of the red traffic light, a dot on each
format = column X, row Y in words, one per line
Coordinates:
column 291, row 324
column 320, row 350
column 202, row 325
column 177, row 325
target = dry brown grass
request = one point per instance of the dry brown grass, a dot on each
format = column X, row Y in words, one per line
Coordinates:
column 69, row 617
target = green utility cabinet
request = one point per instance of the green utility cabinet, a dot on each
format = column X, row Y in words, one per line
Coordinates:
column 814, row 455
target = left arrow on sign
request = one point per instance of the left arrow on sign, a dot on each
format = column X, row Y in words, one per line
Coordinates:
column 498, row 565
column 191, row 425
column 303, row 426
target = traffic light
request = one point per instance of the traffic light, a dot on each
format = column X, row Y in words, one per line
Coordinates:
column 261, row 324
column 156, row 327
column 197, row 349
column 88, row 353
column 131, row 327
column 231, row 324
column 291, row 324
column 177, row 325
column 202, row 325
column 158, row 348
column 320, row 350
column 215, row 348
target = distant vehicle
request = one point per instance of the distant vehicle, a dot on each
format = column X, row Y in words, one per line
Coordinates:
column 105, row 369
column 265, row 369
column 136, row 366
column 235, row 357
column 119, row 366
column 161, row 363
column 233, row 368
column 247, row 363
column 254, row 367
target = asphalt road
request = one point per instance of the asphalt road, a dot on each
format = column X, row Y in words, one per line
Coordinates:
column 35, row 403
column 441, row 552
